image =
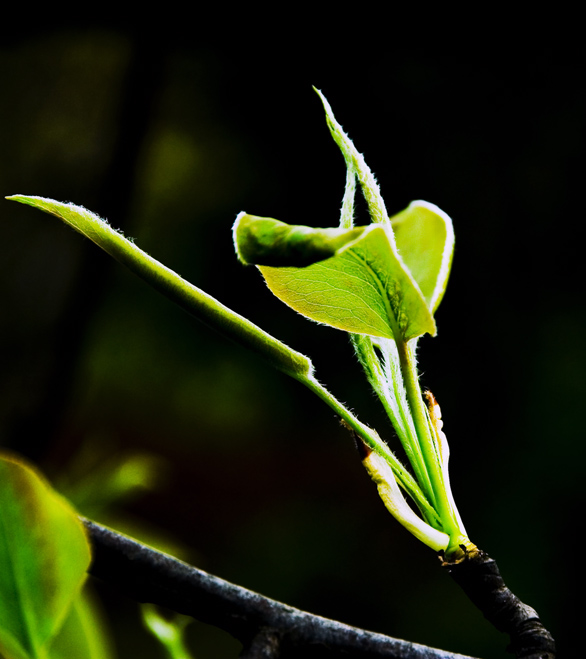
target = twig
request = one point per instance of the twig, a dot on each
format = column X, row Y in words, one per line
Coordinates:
column 264, row 627
column 479, row 577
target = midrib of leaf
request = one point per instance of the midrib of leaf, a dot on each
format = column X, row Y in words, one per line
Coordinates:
column 16, row 580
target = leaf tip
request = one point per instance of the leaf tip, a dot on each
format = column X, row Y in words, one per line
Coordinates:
column 32, row 200
column 23, row 199
column 330, row 118
column 325, row 103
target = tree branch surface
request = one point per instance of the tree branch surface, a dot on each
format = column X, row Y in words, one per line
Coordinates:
column 266, row 628
column 479, row 577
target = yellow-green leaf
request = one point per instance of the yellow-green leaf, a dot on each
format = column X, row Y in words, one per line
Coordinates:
column 364, row 289
column 169, row 283
column 83, row 634
column 44, row 555
column 425, row 240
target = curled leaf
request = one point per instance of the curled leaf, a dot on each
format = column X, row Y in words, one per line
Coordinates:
column 364, row 288
column 264, row 241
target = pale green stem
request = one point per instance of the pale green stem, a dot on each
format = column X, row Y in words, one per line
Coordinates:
column 395, row 376
column 366, row 354
column 427, row 443
column 411, row 387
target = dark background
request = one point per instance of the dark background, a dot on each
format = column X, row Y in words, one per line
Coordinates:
column 169, row 133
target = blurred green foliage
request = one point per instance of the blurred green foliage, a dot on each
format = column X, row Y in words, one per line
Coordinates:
column 44, row 554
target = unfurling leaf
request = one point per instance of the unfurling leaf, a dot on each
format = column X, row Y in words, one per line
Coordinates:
column 364, row 288
column 44, row 554
column 382, row 283
column 264, row 241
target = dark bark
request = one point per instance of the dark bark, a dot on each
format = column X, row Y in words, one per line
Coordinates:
column 265, row 645
column 479, row 577
column 267, row 629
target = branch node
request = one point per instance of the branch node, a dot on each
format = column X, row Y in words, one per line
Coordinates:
column 479, row 577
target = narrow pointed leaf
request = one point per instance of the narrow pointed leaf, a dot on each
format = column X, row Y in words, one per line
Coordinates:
column 355, row 161
column 364, row 288
column 44, row 555
column 195, row 301
column 425, row 239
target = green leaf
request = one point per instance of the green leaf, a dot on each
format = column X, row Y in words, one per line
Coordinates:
column 83, row 633
column 195, row 301
column 425, row 240
column 364, row 288
column 44, row 555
